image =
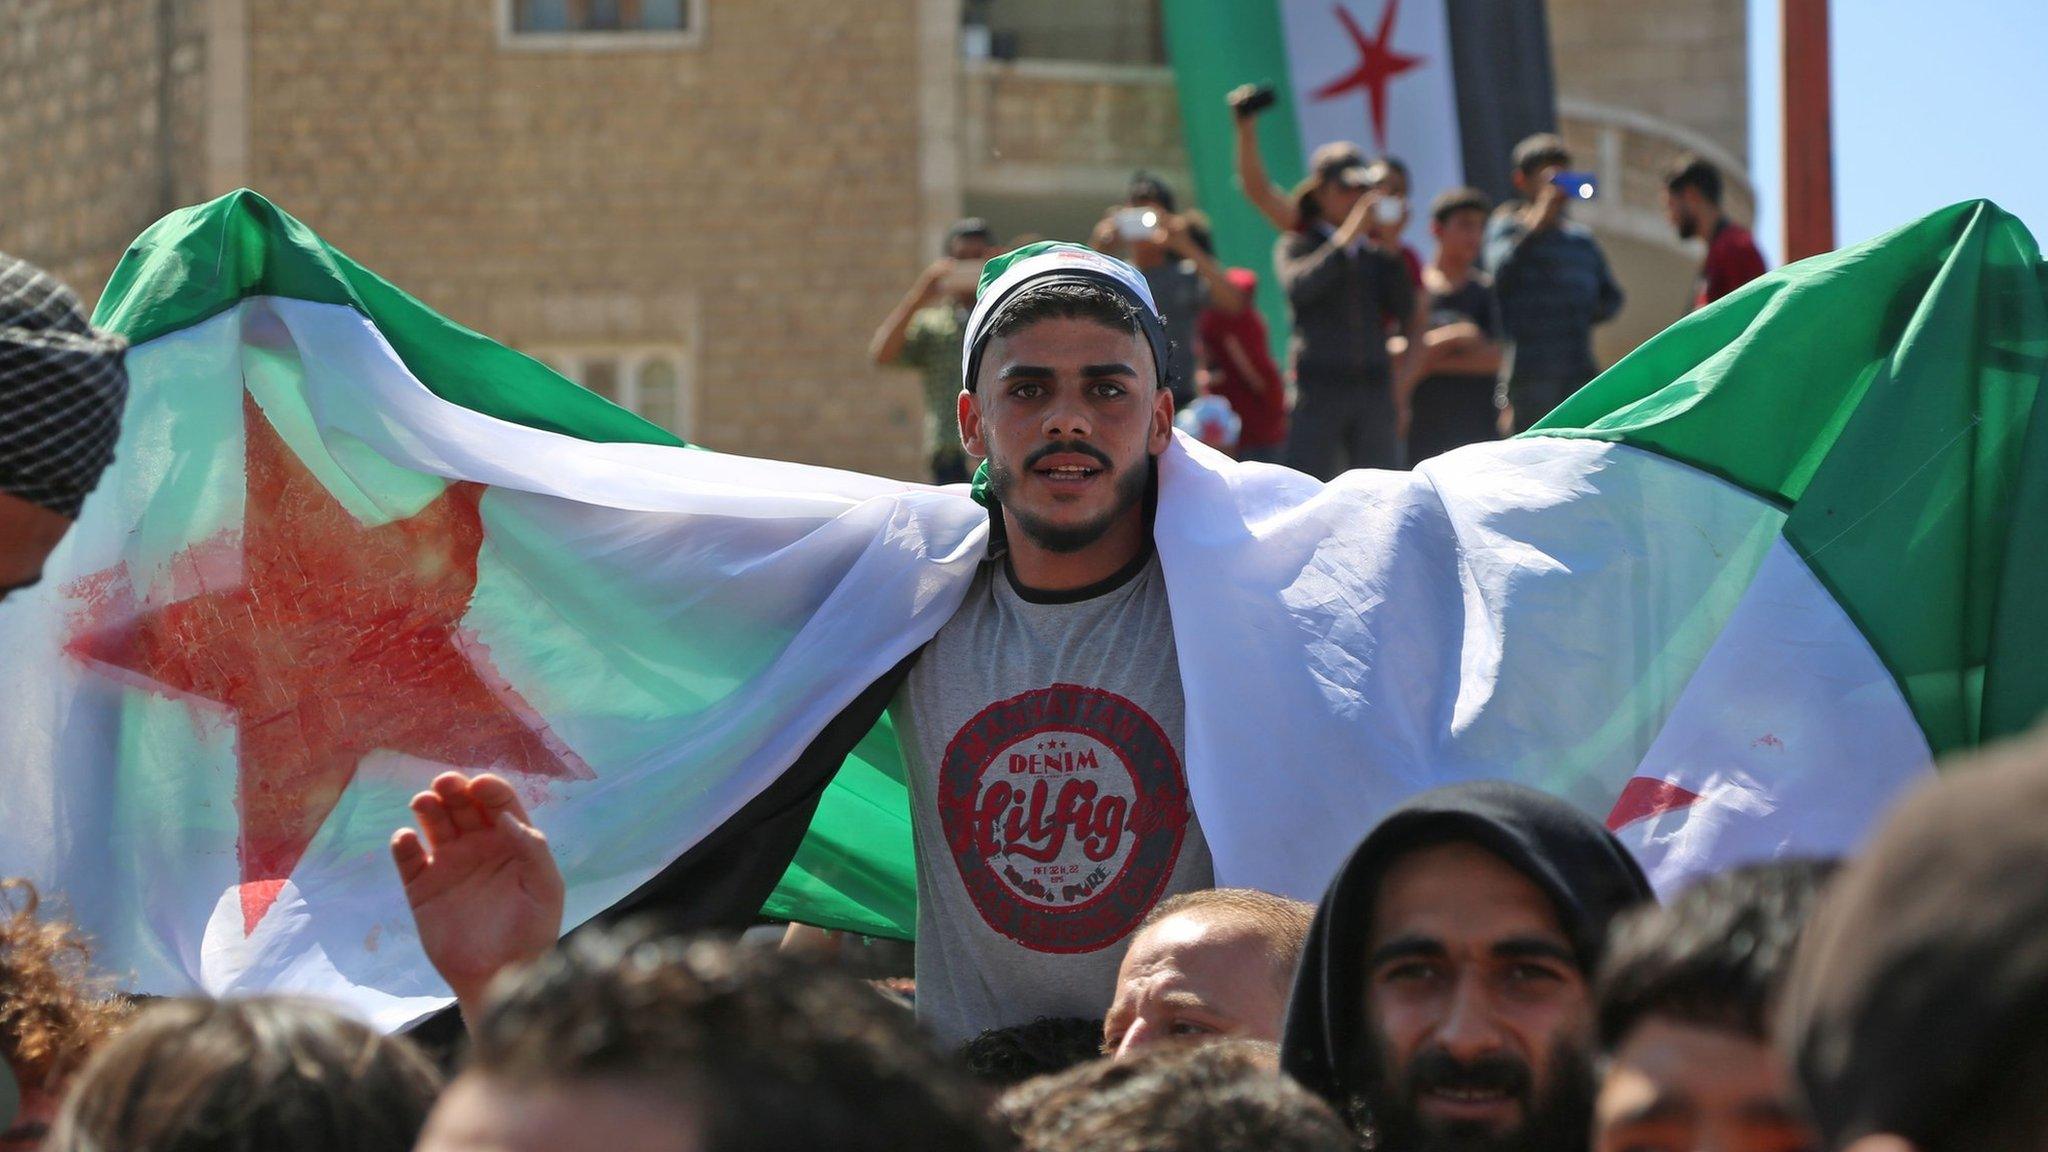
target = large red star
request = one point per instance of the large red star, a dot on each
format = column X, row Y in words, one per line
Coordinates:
column 1377, row 64
column 326, row 641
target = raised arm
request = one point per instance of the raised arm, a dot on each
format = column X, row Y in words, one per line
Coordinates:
column 1222, row 293
column 887, row 344
column 1269, row 198
column 485, row 892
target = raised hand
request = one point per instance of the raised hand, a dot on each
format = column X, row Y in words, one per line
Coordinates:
column 485, row 891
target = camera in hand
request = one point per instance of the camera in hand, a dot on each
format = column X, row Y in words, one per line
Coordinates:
column 1251, row 99
column 1136, row 223
column 1578, row 185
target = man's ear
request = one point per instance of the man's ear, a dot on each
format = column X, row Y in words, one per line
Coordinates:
column 1162, row 421
column 971, row 436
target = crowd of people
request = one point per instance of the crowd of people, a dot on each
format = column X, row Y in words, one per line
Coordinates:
column 1488, row 970
column 1392, row 358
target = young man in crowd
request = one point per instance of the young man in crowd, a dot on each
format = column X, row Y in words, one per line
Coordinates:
column 1213, row 963
column 1916, row 1017
column 1453, row 404
column 1443, row 1001
column 1220, row 1097
column 1342, row 289
column 925, row 332
column 54, row 1012
column 1238, row 350
column 1685, row 1000
column 1692, row 202
column 1042, row 727
column 625, row 1042
column 1183, row 277
column 249, row 1074
column 62, row 388
column 1553, row 284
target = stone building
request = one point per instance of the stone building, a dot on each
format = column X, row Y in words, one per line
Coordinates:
column 703, row 207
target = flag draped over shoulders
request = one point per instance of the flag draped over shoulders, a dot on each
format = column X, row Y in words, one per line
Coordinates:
column 1732, row 597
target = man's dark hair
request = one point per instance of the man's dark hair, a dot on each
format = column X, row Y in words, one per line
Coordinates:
column 1715, row 956
column 1690, row 171
column 770, row 1052
column 1006, row 1056
column 197, row 1075
column 1540, row 151
column 1219, row 1096
column 1449, row 204
column 1064, row 299
column 970, row 228
column 1145, row 186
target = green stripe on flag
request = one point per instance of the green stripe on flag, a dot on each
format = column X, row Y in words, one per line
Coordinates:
column 1898, row 425
column 854, row 870
column 1216, row 45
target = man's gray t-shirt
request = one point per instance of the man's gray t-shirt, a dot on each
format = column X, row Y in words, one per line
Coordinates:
column 1050, row 810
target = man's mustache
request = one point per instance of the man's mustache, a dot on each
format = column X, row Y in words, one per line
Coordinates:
column 1069, row 447
column 1437, row 1069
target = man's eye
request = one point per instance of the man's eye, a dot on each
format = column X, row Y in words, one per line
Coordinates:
column 1027, row 391
column 1409, row 972
column 1108, row 389
column 1191, row 1028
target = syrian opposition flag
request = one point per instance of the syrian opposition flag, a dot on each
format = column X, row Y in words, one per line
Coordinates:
column 1448, row 86
column 1732, row 596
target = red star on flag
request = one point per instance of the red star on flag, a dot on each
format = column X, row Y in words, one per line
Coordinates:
column 1642, row 798
column 325, row 641
column 1377, row 64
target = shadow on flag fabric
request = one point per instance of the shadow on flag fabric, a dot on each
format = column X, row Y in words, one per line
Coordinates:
column 1732, row 597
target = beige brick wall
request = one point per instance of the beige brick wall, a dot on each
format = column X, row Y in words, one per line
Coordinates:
column 81, row 116
column 1683, row 62
column 753, row 198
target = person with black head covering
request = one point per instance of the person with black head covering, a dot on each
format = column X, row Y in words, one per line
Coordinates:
column 1443, row 1000
column 62, row 388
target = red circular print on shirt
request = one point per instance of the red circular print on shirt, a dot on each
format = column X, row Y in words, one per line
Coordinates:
column 1064, row 809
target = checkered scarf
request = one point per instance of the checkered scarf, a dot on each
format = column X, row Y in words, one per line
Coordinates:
column 62, row 386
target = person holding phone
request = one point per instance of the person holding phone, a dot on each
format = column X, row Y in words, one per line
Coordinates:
column 1342, row 290
column 925, row 331
column 1158, row 240
column 1552, row 281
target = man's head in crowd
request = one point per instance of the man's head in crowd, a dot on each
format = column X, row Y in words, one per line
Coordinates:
column 1685, row 999
column 1692, row 196
column 1444, row 999
column 53, row 1013
column 1916, row 1016
column 247, row 1076
column 1338, row 177
column 1457, row 219
column 697, row 1047
column 1049, row 1044
column 969, row 244
column 1211, row 963
column 62, row 388
column 1222, row 1097
column 1065, row 397
column 1536, row 159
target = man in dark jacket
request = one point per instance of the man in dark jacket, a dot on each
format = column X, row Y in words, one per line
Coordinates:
column 1443, row 999
column 1344, row 290
column 1553, row 284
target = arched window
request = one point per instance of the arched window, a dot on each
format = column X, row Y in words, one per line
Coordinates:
column 652, row 381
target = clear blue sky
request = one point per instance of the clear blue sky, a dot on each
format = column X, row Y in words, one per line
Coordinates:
column 1934, row 103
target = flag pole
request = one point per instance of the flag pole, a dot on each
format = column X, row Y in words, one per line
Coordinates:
column 1809, row 132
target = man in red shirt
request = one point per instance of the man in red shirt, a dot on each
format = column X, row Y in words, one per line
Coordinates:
column 1692, row 201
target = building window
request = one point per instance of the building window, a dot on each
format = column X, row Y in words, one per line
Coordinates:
column 653, row 382
column 1087, row 31
column 599, row 23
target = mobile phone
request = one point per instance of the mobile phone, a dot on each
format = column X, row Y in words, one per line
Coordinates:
column 1388, row 209
column 1251, row 99
column 1578, row 185
column 1136, row 223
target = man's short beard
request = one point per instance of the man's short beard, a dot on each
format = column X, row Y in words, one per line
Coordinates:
column 1129, row 484
column 1558, row 1120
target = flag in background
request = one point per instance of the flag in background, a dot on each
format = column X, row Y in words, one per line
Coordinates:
column 1448, row 86
column 1732, row 596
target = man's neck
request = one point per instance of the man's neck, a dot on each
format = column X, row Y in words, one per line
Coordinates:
column 1709, row 223
column 1453, row 268
column 1042, row 570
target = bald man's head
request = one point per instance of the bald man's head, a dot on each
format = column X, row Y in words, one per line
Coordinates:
column 1211, row 963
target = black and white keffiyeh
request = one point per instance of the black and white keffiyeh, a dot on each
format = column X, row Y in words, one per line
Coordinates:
column 62, row 387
